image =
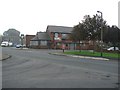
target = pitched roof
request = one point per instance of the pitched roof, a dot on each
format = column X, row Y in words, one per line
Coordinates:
column 41, row 36
column 59, row 29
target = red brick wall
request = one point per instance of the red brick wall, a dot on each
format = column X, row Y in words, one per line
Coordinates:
column 28, row 38
column 88, row 45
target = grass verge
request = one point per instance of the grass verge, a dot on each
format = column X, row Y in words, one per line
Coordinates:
column 95, row 54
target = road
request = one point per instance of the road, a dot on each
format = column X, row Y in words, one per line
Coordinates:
column 36, row 68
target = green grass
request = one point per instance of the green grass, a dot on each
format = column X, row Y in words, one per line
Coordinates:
column 95, row 54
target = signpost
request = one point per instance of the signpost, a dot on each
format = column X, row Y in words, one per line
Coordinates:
column 63, row 47
column 22, row 37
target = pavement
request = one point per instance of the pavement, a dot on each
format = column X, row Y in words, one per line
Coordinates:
column 4, row 56
column 84, row 57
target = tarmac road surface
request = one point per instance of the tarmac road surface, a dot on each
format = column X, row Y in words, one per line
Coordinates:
column 36, row 68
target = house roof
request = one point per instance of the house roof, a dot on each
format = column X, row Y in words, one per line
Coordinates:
column 59, row 29
column 30, row 35
column 41, row 36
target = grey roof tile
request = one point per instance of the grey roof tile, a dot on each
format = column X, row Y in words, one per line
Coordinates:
column 41, row 36
column 59, row 29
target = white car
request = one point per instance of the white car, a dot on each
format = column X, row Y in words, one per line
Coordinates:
column 6, row 44
column 10, row 44
column 112, row 49
column 18, row 46
column 3, row 45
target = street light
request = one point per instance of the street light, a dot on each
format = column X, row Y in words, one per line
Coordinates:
column 101, row 32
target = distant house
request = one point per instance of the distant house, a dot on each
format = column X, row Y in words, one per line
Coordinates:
column 41, row 40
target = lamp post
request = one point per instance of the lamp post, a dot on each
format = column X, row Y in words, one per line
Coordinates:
column 101, row 33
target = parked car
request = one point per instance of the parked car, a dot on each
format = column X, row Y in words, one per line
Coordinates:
column 3, row 44
column 24, row 45
column 18, row 46
column 10, row 44
column 6, row 44
column 112, row 49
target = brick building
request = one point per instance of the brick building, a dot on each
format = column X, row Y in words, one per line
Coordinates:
column 57, row 36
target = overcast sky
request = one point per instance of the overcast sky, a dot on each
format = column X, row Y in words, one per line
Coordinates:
column 31, row 16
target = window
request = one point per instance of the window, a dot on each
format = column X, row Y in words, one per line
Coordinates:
column 64, row 36
column 34, row 43
column 43, row 42
column 56, row 35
